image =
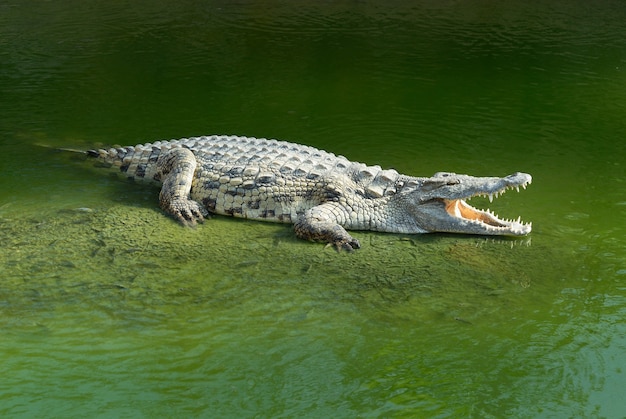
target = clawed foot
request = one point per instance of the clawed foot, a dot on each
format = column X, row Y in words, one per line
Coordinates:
column 331, row 233
column 349, row 244
column 187, row 211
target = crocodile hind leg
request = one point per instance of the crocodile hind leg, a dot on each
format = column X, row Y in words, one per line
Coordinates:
column 321, row 223
column 176, row 169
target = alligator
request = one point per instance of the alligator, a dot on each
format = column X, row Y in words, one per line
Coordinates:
column 321, row 193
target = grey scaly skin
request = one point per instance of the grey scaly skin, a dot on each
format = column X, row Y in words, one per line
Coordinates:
column 322, row 194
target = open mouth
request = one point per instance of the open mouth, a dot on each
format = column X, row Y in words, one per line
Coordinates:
column 486, row 219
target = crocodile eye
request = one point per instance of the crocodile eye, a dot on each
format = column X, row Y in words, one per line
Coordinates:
column 443, row 174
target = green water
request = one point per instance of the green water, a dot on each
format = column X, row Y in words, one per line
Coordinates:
column 108, row 308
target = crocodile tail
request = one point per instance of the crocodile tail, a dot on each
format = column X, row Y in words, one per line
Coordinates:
column 62, row 149
column 120, row 156
column 137, row 162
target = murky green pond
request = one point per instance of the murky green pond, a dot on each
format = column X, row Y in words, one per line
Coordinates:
column 108, row 308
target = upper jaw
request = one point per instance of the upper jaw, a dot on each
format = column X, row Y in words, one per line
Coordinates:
column 466, row 187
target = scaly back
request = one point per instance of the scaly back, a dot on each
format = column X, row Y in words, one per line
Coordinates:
column 234, row 154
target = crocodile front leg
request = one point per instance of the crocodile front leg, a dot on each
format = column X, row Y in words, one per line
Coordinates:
column 321, row 223
column 176, row 169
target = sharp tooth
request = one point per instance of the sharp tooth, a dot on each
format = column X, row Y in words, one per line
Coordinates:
column 517, row 188
column 490, row 197
column 524, row 185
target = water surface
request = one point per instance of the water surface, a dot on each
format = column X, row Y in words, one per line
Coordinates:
column 109, row 308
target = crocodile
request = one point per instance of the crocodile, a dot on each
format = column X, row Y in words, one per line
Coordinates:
column 322, row 194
